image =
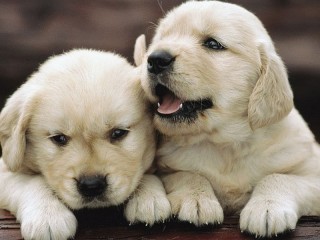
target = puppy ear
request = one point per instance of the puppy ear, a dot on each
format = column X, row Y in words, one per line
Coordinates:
column 272, row 97
column 14, row 121
column 140, row 49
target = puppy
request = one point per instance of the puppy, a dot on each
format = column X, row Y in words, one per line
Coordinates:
column 77, row 134
column 232, row 141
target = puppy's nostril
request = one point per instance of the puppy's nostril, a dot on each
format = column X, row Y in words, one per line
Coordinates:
column 91, row 186
column 158, row 61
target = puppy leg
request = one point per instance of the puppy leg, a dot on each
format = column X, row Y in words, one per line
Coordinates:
column 41, row 214
column 149, row 202
column 277, row 202
column 192, row 198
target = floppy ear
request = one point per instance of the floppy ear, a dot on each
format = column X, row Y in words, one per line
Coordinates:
column 272, row 97
column 140, row 49
column 14, row 121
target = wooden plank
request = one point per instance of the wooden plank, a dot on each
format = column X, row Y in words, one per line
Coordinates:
column 109, row 224
column 9, row 228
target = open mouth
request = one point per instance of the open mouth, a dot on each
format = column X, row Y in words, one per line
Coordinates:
column 171, row 106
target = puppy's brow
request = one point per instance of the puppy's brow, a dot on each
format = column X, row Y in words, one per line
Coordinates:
column 120, row 126
column 54, row 133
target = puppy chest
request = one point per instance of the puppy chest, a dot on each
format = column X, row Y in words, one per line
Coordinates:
column 230, row 178
column 232, row 196
column 233, row 186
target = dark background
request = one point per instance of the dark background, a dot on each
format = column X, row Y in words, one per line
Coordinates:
column 33, row 30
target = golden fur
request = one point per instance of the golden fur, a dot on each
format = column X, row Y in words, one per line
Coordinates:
column 87, row 96
column 250, row 153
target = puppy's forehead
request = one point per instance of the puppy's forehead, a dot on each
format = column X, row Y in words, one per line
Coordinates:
column 87, row 87
column 214, row 18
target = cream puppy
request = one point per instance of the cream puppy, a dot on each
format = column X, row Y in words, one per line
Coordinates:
column 232, row 141
column 77, row 135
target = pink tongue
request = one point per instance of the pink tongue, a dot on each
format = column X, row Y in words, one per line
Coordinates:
column 169, row 104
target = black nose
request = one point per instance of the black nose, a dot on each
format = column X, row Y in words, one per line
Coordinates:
column 159, row 61
column 91, row 186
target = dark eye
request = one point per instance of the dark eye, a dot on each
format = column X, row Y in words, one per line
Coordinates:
column 213, row 44
column 118, row 134
column 60, row 139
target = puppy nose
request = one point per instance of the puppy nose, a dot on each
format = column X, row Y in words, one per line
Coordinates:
column 91, row 186
column 159, row 61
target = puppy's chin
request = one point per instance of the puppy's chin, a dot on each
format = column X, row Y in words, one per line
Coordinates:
column 105, row 200
column 180, row 125
column 97, row 202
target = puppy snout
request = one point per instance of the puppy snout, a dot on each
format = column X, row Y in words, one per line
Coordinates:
column 159, row 61
column 91, row 186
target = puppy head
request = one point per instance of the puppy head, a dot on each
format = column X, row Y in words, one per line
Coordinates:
column 82, row 122
column 212, row 67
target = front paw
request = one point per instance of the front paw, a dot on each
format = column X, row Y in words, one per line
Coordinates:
column 149, row 203
column 198, row 209
column 266, row 217
column 52, row 222
column 192, row 198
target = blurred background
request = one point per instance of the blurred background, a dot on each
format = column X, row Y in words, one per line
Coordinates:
column 33, row 30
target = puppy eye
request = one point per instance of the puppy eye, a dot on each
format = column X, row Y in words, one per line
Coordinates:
column 118, row 134
column 213, row 44
column 60, row 139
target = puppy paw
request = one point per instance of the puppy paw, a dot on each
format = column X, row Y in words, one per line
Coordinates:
column 192, row 198
column 198, row 209
column 266, row 217
column 149, row 203
column 55, row 222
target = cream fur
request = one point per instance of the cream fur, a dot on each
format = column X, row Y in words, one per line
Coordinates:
column 84, row 94
column 251, row 153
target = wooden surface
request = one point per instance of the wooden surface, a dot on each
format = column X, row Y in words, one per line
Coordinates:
column 109, row 224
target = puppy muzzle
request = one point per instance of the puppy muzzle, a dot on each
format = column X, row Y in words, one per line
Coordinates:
column 91, row 186
column 159, row 61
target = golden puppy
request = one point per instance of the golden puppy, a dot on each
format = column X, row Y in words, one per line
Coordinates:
column 81, row 121
column 232, row 140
